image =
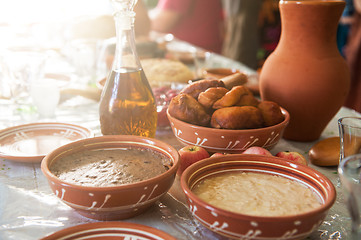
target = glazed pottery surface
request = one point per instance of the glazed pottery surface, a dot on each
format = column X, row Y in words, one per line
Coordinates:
column 228, row 140
column 31, row 142
column 241, row 226
column 110, row 231
column 113, row 202
column 219, row 72
column 306, row 73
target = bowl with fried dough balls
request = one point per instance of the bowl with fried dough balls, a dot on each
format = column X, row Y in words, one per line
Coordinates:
column 209, row 115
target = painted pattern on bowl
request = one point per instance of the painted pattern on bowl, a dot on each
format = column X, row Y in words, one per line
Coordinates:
column 110, row 230
column 226, row 140
column 31, row 142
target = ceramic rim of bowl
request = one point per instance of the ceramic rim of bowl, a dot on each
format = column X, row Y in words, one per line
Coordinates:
column 221, row 71
column 115, row 229
column 251, row 130
column 71, row 132
column 303, row 2
column 260, row 160
column 116, row 141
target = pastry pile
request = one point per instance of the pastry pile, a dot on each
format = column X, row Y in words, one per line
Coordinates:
column 209, row 103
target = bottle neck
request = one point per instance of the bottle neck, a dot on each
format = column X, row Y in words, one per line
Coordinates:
column 125, row 51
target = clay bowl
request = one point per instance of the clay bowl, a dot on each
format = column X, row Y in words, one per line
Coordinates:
column 241, row 226
column 219, row 72
column 112, row 202
column 227, row 140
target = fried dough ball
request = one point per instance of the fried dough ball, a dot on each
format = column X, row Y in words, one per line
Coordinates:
column 185, row 108
column 231, row 98
column 210, row 96
column 271, row 113
column 195, row 88
column 248, row 100
column 244, row 117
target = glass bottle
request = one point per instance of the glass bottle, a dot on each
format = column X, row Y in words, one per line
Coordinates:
column 127, row 104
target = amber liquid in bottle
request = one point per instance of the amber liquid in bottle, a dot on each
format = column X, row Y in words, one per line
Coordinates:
column 127, row 105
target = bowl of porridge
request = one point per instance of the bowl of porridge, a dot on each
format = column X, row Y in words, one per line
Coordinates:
column 246, row 196
column 111, row 177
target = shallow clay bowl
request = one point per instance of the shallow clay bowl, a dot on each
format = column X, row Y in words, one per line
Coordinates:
column 240, row 226
column 219, row 72
column 227, row 140
column 113, row 202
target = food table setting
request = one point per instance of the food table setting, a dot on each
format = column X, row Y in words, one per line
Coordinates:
column 32, row 202
column 29, row 209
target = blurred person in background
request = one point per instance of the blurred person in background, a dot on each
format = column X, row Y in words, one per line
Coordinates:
column 241, row 41
column 199, row 22
column 142, row 20
column 103, row 26
column 353, row 58
column 269, row 24
column 344, row 25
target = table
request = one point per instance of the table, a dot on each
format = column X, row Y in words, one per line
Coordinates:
column 29, row 210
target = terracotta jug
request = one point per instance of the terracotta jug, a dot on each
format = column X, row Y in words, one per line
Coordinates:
column 306, row 73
